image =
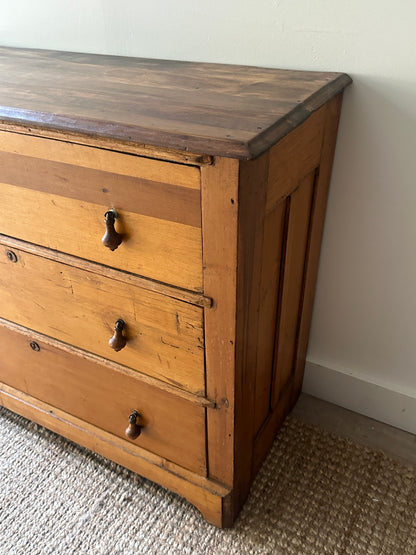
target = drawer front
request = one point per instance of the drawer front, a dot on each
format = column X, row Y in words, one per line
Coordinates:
column 164, row 335
column 56, row 194
column 173, row 428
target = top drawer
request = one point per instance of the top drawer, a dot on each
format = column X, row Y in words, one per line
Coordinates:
column 56, row 194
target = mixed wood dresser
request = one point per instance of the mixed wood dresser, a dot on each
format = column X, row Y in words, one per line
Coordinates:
column 159, row 240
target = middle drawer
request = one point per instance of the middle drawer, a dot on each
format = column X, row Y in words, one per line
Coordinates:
column 164, row 335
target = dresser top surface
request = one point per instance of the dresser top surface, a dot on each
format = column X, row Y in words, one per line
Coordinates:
column 216, row 109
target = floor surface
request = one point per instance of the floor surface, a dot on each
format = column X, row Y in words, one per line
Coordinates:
column 316, row 493
column 396, row 443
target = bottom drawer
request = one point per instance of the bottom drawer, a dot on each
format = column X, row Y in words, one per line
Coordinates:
column 172, row 427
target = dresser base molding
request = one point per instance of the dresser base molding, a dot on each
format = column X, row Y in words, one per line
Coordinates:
column 209, row 497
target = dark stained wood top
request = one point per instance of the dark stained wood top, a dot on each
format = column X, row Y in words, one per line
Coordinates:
column 217, row 109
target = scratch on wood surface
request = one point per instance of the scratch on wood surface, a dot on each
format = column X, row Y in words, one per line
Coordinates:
column 178, row 324
column 167, row 343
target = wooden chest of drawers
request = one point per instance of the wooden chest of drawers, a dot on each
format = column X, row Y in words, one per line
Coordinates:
column 159, row 243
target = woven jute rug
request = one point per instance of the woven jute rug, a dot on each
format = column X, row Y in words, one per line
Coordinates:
column 316, row 493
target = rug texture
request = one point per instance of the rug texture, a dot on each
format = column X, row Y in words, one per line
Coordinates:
column 316, row 493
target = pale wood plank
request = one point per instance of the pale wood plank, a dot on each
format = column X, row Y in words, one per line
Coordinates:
column 165, row 336
column 147, row 151
column 197, row 299
column 169, row 252
column 148, row 198
column 100, row 159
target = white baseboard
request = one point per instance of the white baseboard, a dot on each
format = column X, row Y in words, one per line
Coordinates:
column 351, row 392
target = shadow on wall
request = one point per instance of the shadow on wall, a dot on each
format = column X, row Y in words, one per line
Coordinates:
column 365, row 306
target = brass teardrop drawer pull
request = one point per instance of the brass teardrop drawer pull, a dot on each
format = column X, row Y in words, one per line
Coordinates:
column 111, row 239
column 118, row 341
column 134, row 429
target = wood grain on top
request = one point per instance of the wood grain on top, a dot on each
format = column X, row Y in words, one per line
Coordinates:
column 217, row 109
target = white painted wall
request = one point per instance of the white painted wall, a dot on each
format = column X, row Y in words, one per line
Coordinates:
column 363, row 329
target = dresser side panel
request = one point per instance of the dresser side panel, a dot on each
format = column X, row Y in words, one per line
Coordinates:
column 292, row 160
column 286, row 374
column 323, row 178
